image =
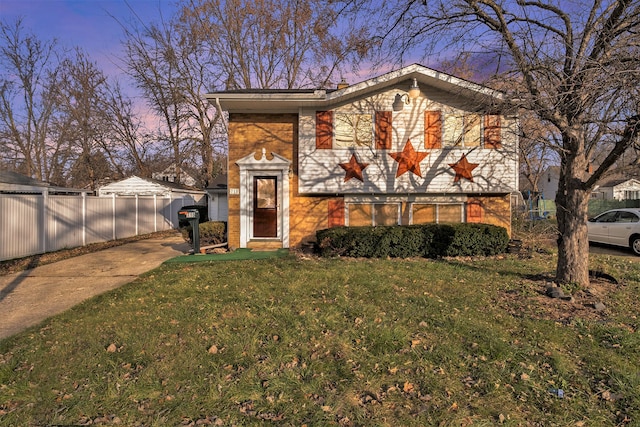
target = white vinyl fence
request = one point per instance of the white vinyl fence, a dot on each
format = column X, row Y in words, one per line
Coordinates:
column 35, row 224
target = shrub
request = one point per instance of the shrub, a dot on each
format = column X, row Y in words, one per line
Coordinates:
column 425, row 240
column 211, row 233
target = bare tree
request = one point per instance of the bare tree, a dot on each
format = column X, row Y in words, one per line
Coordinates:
column 535, row 153
column 127, row 143
column 27, row 107
column 579, row 65
column 155, row 71
column 168, row 65
column 276, row 43
column 82, row 122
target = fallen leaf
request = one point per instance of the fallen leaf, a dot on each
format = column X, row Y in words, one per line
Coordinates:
column 213, row 349
column 524, row 377
column 408, row 387
column 112, row 348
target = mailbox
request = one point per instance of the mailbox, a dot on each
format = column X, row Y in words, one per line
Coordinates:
column 193, row 217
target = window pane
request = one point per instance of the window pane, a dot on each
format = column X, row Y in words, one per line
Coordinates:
column 453, row 130
column 472, row 130
column 266, row 193
column 359, row 214
column 449, row 213
column 608, row 217
column 386, row 214
column 627, row 217
column 353, row 130
column 423, row 214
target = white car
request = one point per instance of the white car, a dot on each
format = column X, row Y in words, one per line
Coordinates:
column 619, row 227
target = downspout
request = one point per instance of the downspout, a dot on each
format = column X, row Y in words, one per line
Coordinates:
column 219, row 108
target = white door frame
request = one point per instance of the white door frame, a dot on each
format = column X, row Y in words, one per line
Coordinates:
column 250, row 167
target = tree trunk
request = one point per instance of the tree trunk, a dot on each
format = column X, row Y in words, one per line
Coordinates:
column 572, row 203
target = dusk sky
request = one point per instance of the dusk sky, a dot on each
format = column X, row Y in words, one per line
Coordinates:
column 90, row 24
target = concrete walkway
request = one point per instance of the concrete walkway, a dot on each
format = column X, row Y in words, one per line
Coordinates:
column 31, row 296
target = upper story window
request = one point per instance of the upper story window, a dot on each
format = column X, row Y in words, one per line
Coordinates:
column 462, row 130
column 353, row 130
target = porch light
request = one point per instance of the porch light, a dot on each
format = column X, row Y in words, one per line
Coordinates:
column 414, row 90
column 401, row 100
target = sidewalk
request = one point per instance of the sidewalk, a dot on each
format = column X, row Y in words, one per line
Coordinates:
column 31, row 296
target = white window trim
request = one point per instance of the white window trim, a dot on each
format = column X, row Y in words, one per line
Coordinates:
column 335, row 146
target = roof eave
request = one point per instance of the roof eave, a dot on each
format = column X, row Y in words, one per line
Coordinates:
column 292, row 102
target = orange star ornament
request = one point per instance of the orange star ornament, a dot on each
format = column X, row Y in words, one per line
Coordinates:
column 353, row 168
column 409, row 160
column 463, row 168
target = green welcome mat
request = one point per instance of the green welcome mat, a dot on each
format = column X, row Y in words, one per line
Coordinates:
column 238, row 254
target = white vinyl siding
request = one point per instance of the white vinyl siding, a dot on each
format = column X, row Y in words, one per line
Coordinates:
column 319, row 171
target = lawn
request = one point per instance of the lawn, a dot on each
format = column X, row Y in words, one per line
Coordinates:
column 300, row 341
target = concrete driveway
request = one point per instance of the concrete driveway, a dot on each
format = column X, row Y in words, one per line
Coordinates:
column 31, row 296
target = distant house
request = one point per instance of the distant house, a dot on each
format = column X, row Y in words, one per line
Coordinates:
column 136, row 186
column 16, row 183
column 548, row 183
column 170, row 175
column 619, row 189
column 218, row 201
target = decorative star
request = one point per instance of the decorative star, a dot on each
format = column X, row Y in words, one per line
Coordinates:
column 463, row 168
column 409, row 160
column 353, row 168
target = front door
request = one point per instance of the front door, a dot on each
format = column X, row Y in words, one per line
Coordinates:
column 265, row 206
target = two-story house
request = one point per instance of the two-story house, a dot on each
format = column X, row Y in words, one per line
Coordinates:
column 410, row 146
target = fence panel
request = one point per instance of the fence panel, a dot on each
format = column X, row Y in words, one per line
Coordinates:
column 598, row 206
column 34, row 224
column 21, row 219
column 125, row 217
column 99, row 220
column 147, row 215
column 64, row 222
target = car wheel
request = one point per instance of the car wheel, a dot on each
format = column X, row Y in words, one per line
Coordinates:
column 635, row 245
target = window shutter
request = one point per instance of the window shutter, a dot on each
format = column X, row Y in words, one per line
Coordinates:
column 383, row 129
column 474, row 211
column 324, row 129
column 492, row 131
column 336, row 213
column 432, row 129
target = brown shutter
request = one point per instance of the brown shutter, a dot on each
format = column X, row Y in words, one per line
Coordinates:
column 432, row 129
column 324, row 130
column 474, row 211
column 383, row 130
column 492, row 131
column 336, row 213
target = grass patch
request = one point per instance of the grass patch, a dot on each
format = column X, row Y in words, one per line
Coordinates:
column 289, row 341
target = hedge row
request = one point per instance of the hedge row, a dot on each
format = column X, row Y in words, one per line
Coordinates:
column 403, row 241
column 211, row 233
